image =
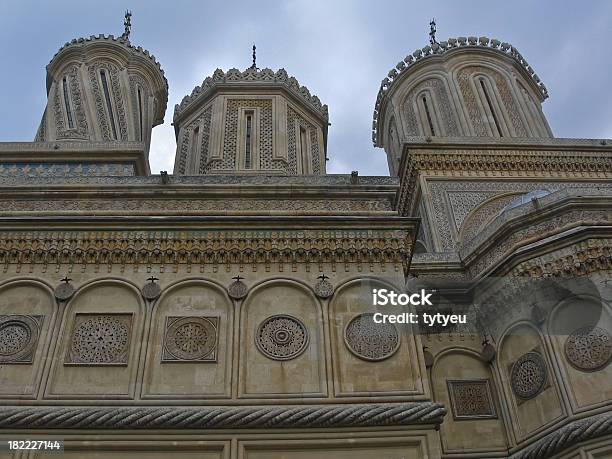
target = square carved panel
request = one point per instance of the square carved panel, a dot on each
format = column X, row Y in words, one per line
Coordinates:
column 191, row 339
column 99, row 339
column 471, row 399
column 19, row 337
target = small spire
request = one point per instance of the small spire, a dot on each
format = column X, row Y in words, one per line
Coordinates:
column 127, row 24
column 254, row 66
column 432, row 32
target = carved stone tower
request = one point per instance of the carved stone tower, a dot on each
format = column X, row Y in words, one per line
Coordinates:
column 464, row 87
column 256, row 121
column 102, row 88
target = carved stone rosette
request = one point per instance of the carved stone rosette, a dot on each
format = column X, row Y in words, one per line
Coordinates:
column 369, row 340
column 100, row 339
column 324, row 288
column 589, row 348
column 237, row 289
column 64, row 291
column 151, row 291
column 18, row 338
column 191, row 339
column 282, row 337
column 528, row 376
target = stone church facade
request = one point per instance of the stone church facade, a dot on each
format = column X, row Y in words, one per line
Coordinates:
column 224, row 310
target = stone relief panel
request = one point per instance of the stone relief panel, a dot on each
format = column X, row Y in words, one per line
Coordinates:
column 282, row 343
column 190, row 349
column 581, row 331
column 480, row 216
column 230, row 134
column 186, row 145
column 292, row 143
column 190, row 339
column 104, row 118
column 100, row 339
column 27, row 312
column 73, row 98
column 471, row 399
column 453, row 201
column 529, row 385
column 282, row 337
column 369, row 340
column 465, row 76
column 444, row 108
column 19, row 336
column 371, row 359
column 463, row 382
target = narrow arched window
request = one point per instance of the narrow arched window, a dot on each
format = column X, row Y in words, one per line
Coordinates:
column 248, row 140
column 109, row 106
column 140, row 113
column 428, row 115
column 67, row 105
column 490, row 107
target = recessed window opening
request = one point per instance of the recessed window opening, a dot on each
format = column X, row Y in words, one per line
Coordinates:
column 109, row 106
column 304, row 149
column 429, row 120
column 140, row 110
column 248, row 141
column 67, row 103
column 490, row 105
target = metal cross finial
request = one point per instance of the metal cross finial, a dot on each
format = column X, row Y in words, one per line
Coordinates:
column 254, row 66
column 152, row 279
column 432, row 32
column 66, row 280
column 127, row 23
column 238, row 278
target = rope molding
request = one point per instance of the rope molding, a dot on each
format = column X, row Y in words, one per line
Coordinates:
column 567, row 436
column 15, row 417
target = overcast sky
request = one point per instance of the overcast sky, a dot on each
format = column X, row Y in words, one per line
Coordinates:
column 339, row 49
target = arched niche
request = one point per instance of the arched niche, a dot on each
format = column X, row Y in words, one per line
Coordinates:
column 532, row 395
column 189, row 353
column 581, row 331
column 483, row 214
column 465, row 385
column 109, row 311
column 28, row 313
column 282, row 342
column 385, row 367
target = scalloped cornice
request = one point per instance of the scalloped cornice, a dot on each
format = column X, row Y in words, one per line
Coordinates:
column 439, row 49
column 138, row 50
column 235, row 77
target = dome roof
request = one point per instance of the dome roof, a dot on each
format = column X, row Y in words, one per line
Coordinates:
column 234, row 78
column 439, row 49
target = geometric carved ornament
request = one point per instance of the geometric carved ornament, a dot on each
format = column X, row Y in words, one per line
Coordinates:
column 18, row 338
column 369, row 340
column 281, row 337
column 528, row 376
column 100, row 339
column 471, row 399
column 190, row 339
column 589, row 348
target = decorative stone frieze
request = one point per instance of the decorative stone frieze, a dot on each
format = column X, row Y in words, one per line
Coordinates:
column 19, row 336
column 282, row 337
column 369, row 340
column 191, row 339
column 99, row 339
